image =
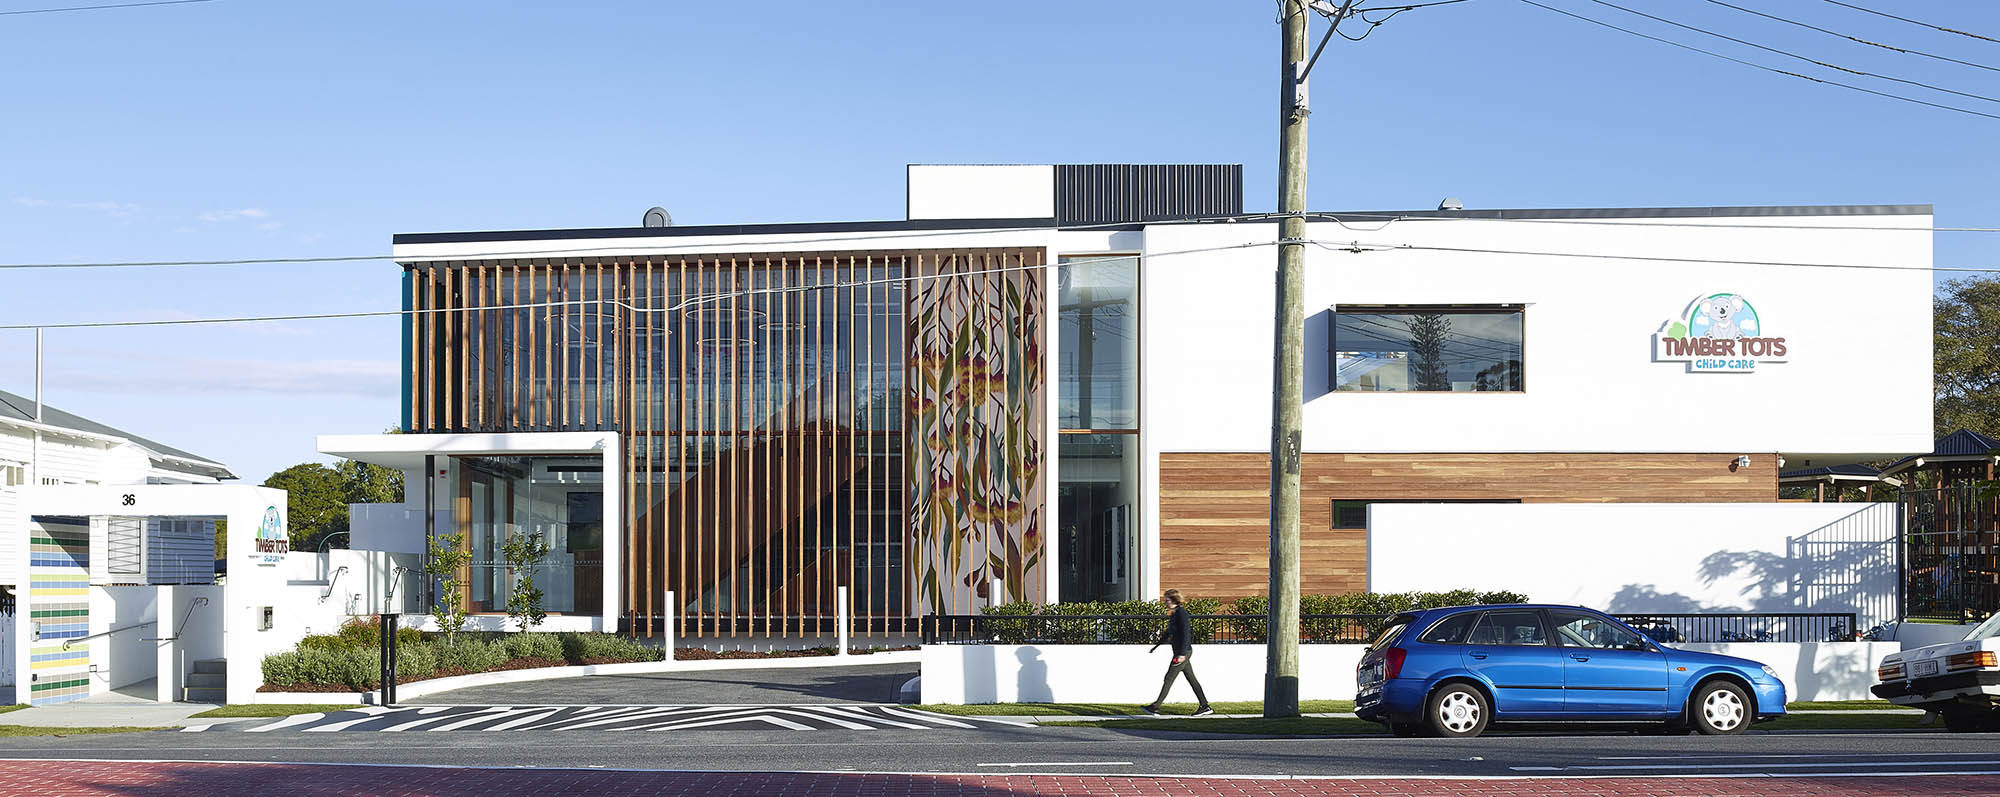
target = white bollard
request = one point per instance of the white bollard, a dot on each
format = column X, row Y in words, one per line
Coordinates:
column 670, row 625
column 840, row 616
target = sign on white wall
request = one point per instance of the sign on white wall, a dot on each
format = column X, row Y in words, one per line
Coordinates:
column 1718, row 333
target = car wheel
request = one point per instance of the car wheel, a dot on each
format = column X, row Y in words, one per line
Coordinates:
column 1456, row 711
column 1406, row 730
column 1720, row 708
column 1962, row 721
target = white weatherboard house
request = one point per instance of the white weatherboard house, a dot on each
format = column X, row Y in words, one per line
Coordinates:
column 107, row 556
column 1052, row 383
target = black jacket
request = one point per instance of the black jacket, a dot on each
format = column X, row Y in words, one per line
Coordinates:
column 1178, row 632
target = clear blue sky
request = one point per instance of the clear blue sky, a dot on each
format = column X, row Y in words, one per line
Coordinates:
column 245, row 128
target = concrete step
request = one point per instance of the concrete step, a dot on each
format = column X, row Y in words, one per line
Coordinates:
column 206, row 680
column 211, row 666
column 204, row 695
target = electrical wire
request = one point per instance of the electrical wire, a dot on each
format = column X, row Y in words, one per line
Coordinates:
column 1754, row 65
column 599, row 250
column 1792, row 55
column 101, row 8
column 1855, row 39
column 1914, row 22
column 1336, row 217
column 1360, row 247
column 693, row 301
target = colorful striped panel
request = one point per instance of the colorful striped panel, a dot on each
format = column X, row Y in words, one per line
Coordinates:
column 59, row 603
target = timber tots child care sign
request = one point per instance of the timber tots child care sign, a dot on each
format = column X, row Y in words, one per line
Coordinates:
column 272, row 541
column 1718, row 333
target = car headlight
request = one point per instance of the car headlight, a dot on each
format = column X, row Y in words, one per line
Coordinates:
column 1773, row 673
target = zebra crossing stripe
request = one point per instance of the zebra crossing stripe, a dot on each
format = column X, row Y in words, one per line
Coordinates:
column 476, row 718
column 627, row 717
column 366, row 716
column 778, row 721
column 295, row 719
column 937, row 718
column 849, row 711
column 423, row 720
column 196, row 728
column 531, row 717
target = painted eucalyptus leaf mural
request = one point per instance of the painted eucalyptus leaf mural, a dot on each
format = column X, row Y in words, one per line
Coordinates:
column 977, row 422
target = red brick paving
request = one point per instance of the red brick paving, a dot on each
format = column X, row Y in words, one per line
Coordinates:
column 140, row 778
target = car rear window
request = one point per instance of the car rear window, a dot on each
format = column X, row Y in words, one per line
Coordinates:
column 1389, row 634
column 1451, row 630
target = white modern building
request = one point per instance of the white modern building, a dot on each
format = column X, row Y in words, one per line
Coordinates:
column 1052, row 382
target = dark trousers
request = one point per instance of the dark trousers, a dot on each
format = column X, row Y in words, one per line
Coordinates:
column 1185, row 667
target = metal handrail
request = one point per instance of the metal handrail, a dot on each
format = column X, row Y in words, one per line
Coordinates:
column 67, row 642
column 199, row 601
column 330, row 581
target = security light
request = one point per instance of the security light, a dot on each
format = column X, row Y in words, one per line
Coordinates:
column 1743, row 461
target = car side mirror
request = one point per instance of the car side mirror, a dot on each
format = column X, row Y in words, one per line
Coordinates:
column 1637, row 646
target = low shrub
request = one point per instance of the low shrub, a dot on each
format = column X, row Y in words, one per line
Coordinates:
column 284, row 668
column 533, row 646
column 590, row 648
column 471, row 655
column 359, row 633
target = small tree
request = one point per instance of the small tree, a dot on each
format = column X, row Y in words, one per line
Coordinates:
column 1429, row 332
column 447, row 559
column 524, row 553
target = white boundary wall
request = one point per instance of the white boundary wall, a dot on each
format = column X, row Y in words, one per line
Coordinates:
column 1632, row 558
column 976, row 674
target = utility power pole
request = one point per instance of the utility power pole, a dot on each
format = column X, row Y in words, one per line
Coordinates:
column 1281, row 665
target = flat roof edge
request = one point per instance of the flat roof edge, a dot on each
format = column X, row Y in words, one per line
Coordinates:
column 922, row 225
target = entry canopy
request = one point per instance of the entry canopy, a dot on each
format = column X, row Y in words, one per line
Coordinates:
column 407, row 451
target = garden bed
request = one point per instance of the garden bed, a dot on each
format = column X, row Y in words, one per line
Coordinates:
column 350, row 661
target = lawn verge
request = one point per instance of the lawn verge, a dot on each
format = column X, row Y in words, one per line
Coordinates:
column 1125, row 709
column 268, row 710
column 37, row 730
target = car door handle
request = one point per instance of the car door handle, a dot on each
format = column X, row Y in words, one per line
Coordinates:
column 1477, row 655
column 1579, row 657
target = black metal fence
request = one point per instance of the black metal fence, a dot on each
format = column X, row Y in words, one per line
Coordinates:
column 1140, row 629
column 1951, row 553
column 1747, row 627
column 1332, row 629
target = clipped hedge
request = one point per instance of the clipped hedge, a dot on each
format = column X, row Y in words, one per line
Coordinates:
column 1046, row 623
column 337, row 661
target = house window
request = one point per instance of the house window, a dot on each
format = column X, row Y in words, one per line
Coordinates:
column 1428, row 348
column 13, row 474
column 1352, row 514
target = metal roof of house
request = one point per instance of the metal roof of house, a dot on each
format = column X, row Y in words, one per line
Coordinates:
column 1856, row 470
column 13, row 407
column 1959, row 446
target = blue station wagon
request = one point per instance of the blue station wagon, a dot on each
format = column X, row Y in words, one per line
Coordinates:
column 1452, row 672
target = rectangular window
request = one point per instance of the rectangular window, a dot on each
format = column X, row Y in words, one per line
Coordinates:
column 1446, row 348
column 1097, row 380
column 12, row 474
column 1352, row 514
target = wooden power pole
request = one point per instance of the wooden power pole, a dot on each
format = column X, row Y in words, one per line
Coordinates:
column 1281, row 667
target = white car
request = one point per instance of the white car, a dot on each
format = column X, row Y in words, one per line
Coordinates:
column 1960, row 680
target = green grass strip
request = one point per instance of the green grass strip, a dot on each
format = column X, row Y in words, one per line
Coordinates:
column 1844, row 705
column 15, row 707
column 36, row 730
column 270, row 709
column 1294, row 726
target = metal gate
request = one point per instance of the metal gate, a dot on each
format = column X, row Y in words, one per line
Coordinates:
column 1951, row 553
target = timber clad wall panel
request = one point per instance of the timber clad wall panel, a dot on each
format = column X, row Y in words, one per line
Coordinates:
column 1215, row 522
column 766, row 404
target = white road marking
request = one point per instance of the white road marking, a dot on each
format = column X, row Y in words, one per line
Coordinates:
column 937, row 718
column 848, row 711
column 295, row 719
column 778, row 721
column 368, row 716
column 474, row 719
column 196, row 728
column 1009, row 723
column 1060, row 764
column 531, row 717
column 659, row 712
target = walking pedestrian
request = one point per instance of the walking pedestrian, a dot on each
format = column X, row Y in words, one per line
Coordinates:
column 1180, row 636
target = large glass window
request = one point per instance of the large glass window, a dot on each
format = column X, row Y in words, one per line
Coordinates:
column 560, row 500
column 1097, row 396
column 1098, row 363
column 1440, row 349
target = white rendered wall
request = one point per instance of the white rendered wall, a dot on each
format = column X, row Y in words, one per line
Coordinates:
column 981, row 192
column 1635, row 558
column 1591, row 384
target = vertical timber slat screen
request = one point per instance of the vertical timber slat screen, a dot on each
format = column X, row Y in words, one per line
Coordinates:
column 791, row 422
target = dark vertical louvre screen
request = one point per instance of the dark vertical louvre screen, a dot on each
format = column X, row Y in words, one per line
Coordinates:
column 1105, row 193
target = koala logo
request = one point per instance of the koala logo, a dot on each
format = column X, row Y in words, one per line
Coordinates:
column 1722, row 311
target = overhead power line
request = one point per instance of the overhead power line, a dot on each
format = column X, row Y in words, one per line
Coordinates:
column 1914, row 22
column 648, row 249
column 1356, row 247
column 1754, row 65
column 1855, row 39
column 1792, row 55
column 101, row 8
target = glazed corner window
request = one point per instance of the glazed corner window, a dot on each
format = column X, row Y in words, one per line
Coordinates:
column 1427, row 348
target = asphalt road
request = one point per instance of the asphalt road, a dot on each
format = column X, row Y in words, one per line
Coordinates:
column 860, row 683
column 1068, row 750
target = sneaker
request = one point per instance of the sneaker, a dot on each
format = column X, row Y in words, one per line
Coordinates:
column 1203, row 710
column 1151, row 708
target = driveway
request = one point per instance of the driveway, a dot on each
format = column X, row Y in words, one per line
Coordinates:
column 858, row 683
